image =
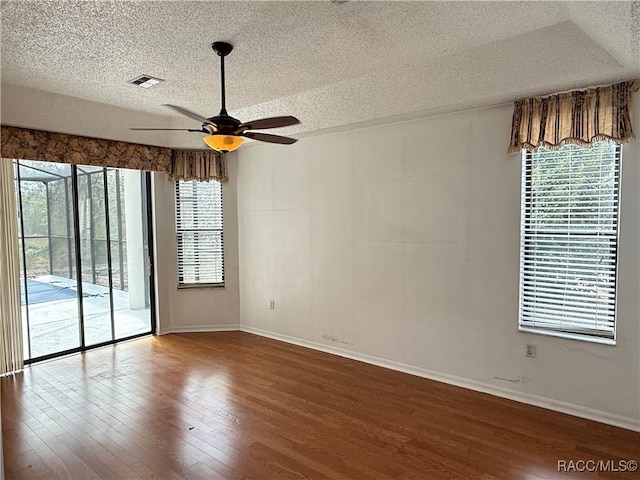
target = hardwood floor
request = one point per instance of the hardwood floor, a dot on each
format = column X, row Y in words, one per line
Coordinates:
column 234, row 406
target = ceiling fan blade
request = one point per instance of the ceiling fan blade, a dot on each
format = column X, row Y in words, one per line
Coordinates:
column 187, row 112
column 271, row 122
column 176, row 129
column 267, row 137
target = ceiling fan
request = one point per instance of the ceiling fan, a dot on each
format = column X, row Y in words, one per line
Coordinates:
column 223, row 132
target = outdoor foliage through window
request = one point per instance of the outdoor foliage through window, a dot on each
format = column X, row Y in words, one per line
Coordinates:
column 568, row 245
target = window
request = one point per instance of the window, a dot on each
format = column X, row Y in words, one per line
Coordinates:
column 199, row 233
column 569, row 242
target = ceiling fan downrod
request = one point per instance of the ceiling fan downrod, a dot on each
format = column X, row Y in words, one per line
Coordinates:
column 222, row 49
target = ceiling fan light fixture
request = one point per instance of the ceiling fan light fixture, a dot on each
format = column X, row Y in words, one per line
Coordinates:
column 223, row 143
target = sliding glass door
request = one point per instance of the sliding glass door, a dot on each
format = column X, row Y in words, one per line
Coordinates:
column 91, row 220
column 49, row 296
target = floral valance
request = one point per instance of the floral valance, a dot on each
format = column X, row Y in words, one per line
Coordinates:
column 28, row 144
column 198, row 165
column 578, row 117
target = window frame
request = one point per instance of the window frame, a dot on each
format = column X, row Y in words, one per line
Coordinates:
column 180, row 283
column 573, row 334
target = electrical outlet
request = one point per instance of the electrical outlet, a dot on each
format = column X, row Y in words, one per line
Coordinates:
column 272, row 304
column 531, row 351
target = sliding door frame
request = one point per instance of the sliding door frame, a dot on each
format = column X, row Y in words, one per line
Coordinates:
column 78, row 255
column 151, row 269
column 149, row 237
column 23, row 253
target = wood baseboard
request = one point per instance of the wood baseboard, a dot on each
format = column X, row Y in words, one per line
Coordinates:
column 231, row 327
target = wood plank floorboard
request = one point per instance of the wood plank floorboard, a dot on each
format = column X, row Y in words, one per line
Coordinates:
column 235, row 406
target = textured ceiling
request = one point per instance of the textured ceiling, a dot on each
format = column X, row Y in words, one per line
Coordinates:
column 355, row 63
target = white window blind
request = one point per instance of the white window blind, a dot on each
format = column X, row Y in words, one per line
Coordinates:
column 569, row 241
column 199, row 233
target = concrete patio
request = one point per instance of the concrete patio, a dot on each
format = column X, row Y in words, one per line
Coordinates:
column 54, row 325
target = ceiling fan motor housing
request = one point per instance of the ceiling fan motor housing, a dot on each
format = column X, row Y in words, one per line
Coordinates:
column 226, row 125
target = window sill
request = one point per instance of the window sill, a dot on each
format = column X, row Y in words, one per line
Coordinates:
column 200, row 285
column 568, row 335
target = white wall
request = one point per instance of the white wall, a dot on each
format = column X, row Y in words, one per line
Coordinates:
column 195, row 309
column 399, row 245
column 31, row 108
